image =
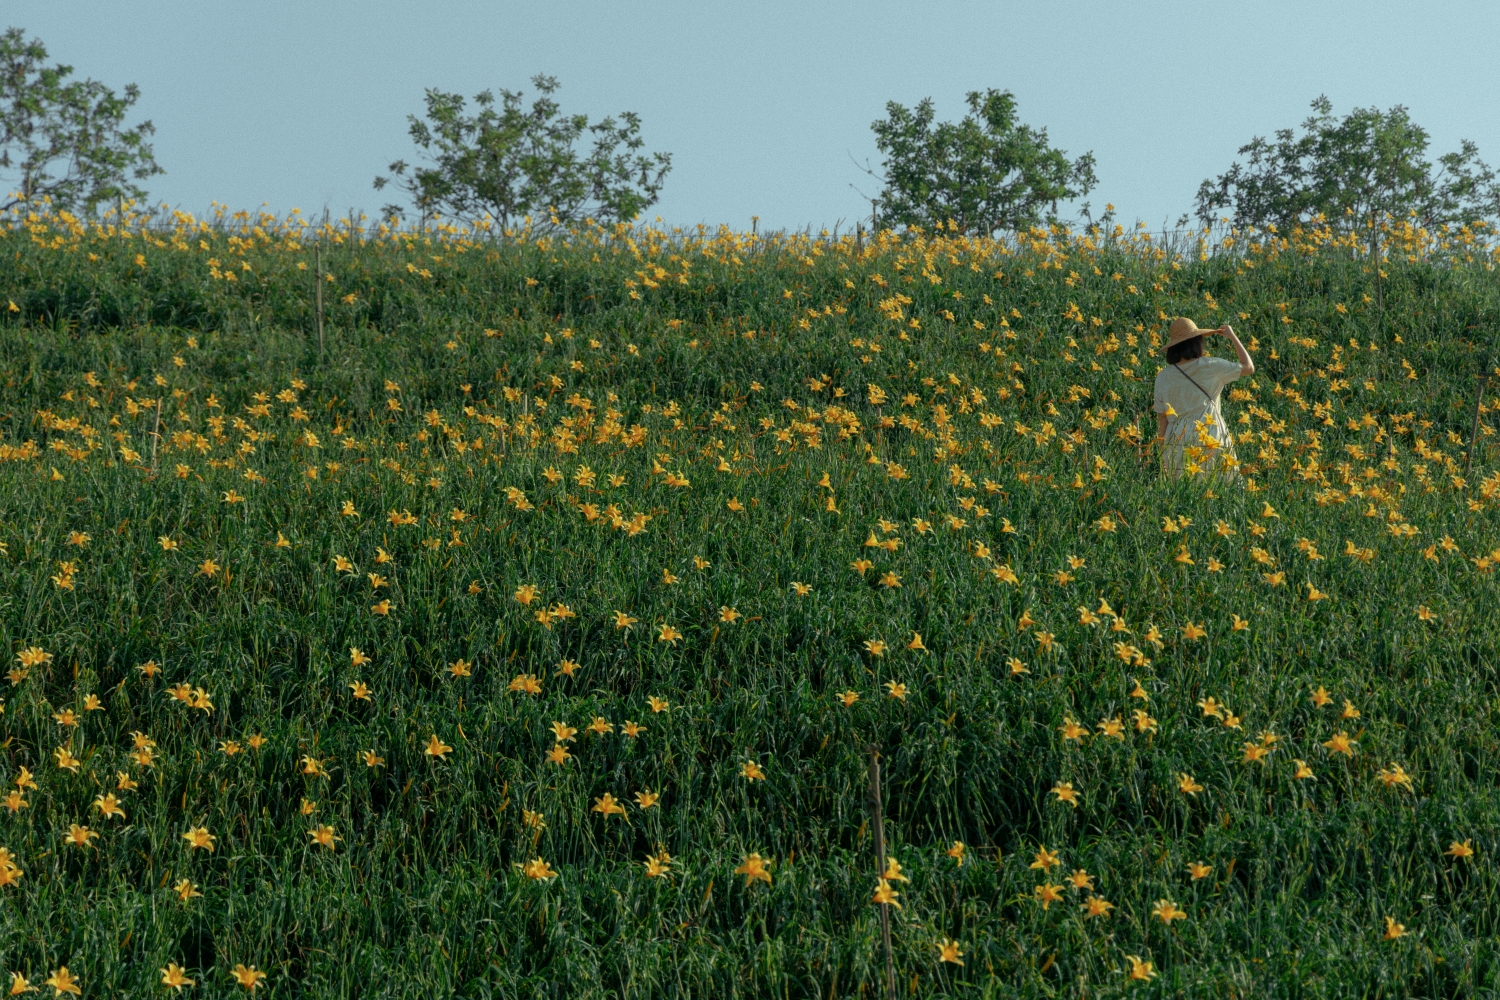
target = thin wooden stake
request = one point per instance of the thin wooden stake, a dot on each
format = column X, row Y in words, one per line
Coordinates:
column 885, row 909
column 1474, row 431
column 859, row 237
column 1379, row 289
column 155, row 436
column 318, row 252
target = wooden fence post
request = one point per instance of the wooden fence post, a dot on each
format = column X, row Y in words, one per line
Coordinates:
column 155, row 436
column 885, row 910
column 1474, row 431
column 318, row 252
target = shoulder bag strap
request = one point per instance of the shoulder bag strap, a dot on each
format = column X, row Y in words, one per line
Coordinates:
column 1194, row 381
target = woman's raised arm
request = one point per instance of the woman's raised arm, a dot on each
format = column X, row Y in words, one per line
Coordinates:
column 1247, row 364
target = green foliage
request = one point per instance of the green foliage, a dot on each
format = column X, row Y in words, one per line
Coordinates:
column 508, row 162
column 1364, row 166
column 460, row 370
column 987, row 173
column 65, row 139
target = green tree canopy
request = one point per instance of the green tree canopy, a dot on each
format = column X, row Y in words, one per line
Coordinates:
column 65, row 140
column 985, row 173
column 1351, row 170
column 507, row 161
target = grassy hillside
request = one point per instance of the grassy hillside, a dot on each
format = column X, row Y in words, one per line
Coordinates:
column 496, row 645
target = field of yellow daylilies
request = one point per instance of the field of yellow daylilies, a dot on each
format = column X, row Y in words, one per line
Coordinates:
column 524, row 629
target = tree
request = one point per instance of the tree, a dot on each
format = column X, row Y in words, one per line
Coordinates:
column 65, row 140
column 986, row 173
column 1351, row 171
column 508, row 162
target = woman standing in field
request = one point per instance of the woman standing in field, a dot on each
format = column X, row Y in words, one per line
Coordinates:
column 1189, row 424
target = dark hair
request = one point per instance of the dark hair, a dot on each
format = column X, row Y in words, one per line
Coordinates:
column 1185, row 350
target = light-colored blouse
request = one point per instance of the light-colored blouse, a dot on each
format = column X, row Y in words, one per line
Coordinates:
column 1189, row 394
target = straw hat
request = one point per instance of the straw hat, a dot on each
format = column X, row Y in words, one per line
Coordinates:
column 1182, row 329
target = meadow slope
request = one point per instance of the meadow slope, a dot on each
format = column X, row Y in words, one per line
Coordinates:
column 526, row 636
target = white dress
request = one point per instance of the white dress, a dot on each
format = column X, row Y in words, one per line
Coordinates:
column 1197, row 439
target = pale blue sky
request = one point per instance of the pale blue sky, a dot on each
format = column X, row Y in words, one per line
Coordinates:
column 302, row 102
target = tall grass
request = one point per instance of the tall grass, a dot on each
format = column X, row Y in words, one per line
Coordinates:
column 458, row 369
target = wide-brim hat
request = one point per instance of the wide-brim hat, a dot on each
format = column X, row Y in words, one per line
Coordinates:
column 1182, row 329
